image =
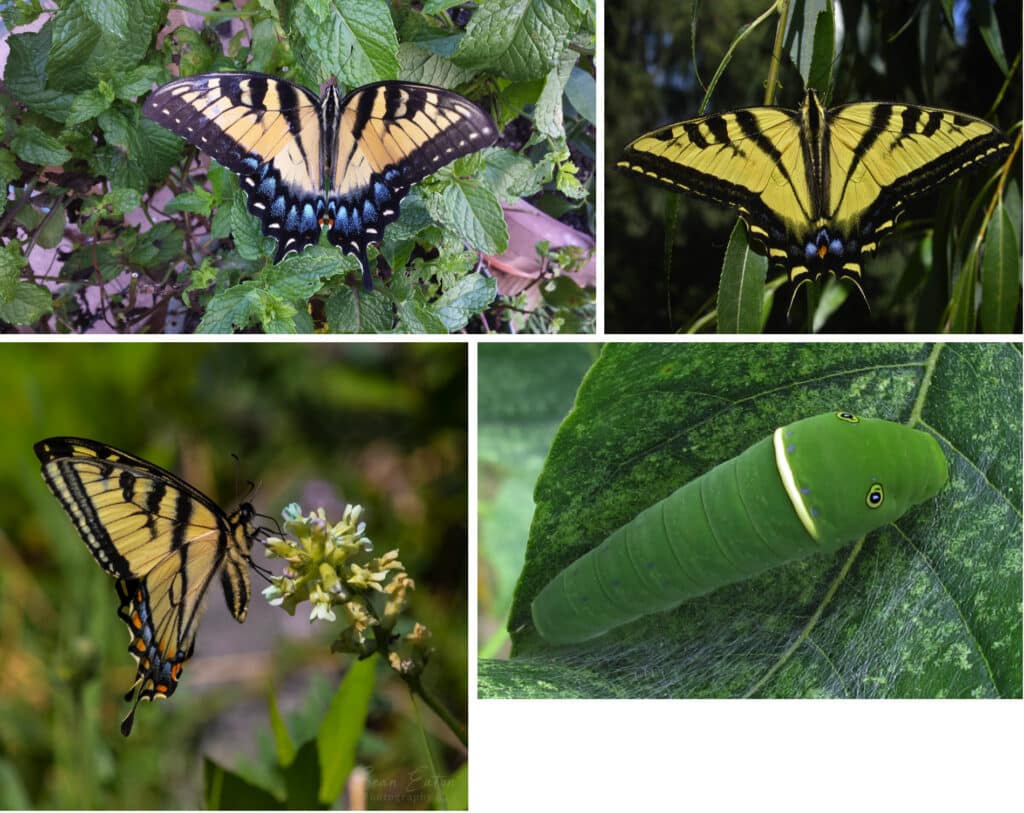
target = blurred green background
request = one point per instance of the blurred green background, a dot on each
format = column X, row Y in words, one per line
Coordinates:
column 525, row 391
column 382, row 425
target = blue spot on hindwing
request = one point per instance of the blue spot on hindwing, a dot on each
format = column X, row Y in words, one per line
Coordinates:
column 268, row 186
column 836, row 246
column 309, row 220
column 277, row 207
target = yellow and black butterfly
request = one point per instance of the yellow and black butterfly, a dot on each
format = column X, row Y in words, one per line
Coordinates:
column 817, row 187
column 162, row 539
column 308, row 162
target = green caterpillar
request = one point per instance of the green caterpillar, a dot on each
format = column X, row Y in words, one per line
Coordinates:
column 810, row 487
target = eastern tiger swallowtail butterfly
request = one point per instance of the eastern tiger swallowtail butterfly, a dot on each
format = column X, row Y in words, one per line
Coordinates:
column 817, row 188
column 811, row 487
column 308, row 162
column 162, row 539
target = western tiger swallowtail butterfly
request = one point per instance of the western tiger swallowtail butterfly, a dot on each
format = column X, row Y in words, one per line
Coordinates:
column 817, row 188
column 163, row 540
column 309, row 162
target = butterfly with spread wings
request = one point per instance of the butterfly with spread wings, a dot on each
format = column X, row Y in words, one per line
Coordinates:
column 163, row 540
column 309, row 162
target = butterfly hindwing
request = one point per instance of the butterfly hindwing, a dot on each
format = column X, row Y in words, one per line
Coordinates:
column 307, row 162
column 162, row 539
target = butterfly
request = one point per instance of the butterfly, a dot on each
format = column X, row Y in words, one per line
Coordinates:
column 309, row 162
column 163, row 540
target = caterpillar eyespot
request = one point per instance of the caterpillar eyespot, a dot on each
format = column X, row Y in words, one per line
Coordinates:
column 811, row 487
column 876, row 496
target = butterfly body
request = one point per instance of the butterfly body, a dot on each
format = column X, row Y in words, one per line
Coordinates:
column 308, row 162
column 162, row 539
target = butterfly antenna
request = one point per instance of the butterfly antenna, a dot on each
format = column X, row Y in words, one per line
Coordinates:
column 238, row 466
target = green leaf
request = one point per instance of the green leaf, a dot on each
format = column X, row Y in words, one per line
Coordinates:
column 547, row 116
column 509, row 175
column 926, row 607
column 158, row 246
column 199, row 202
column 226, row 790
column 355, row 42
column 300, row 276
column 160, row 149
column 90, row 104
column 137, row 82
column 343, row 728
column 29, row 304
column 86, row 46
column 111, row 17
column 415, row 316
column 249, row 238
column 36, row 147
column 26, row 73
column 200, row 279
column 469, row 295
column 518, row 39
column 418, row 64
column 472, row 211
column 1000, row 274
column 741, row 290
column 301, row 776
column 284, row 747
column 240, row 306
column 348, row 311
column 8, row 165
column 11, row 262
column 118, row 128
column 581, row 91
column 120, row 201
column 16, row 15
column 52, row 232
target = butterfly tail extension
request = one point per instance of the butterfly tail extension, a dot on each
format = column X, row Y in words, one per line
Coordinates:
column 158, row 671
